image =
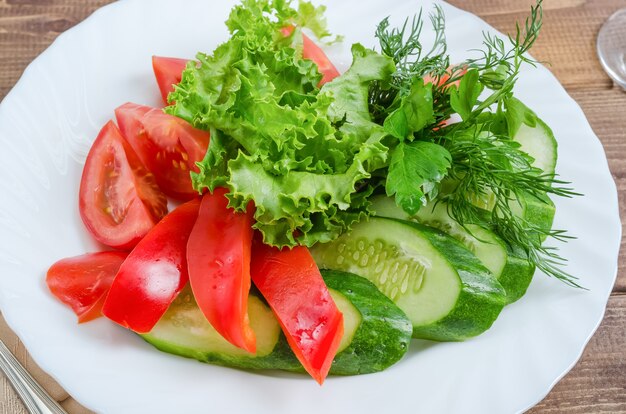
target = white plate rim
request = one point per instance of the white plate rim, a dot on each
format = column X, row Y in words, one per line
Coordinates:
column 95, row 16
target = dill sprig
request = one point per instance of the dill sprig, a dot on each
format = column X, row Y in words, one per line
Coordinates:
column 412, row 61
column 486, row 163
column 403, row 45
column 498, row 65
column 492, row 165
column 489, row 174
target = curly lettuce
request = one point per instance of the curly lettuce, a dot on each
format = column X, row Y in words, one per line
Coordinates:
column 300, row 154
column 304, row 155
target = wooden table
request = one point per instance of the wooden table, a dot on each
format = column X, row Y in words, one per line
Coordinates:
column 598, row 382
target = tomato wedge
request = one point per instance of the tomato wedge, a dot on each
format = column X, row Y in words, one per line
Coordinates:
column 311, row 51
column 316, row 54
column 119, row 200
column 167, row 145
column 168, row 72
column 293, row 287
column 154, row 272
column 129, row 117
column 218, row 256
column 82, row 282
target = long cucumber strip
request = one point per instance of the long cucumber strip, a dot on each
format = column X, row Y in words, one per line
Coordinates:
column 376, row 332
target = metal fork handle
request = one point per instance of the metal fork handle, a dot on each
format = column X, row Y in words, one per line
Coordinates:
column 35, row 398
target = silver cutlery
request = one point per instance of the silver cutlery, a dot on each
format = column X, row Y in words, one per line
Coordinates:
column 35, row 398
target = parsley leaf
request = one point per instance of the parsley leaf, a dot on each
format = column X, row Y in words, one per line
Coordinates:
column 466, row 96
column 517, row 114
column 415, row 171
column 415, row 112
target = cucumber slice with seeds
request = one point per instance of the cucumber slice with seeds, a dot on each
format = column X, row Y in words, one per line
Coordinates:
column 442, row 287
column 510, row 266
column 488, row 247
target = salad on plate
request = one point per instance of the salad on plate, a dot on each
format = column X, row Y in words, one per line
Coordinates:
column 319, row 220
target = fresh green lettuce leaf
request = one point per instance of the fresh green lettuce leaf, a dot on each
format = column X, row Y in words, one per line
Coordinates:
column 312, row 17
column 288, row 207
column 214, row 168
column 301, row 154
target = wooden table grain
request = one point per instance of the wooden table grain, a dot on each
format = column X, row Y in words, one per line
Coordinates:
column 598, row 382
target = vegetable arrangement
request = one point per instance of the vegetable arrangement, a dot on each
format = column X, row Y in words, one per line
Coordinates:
column 419, row 186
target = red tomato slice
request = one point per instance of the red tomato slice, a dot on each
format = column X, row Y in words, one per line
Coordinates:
column 293, row 287
column 168, row 72
column 167, row 145
column 218, row 256
column 128, row 117
column 154, row 272
column 287, row 30
column 316, row 54
column 82, row 282
column 119, row 200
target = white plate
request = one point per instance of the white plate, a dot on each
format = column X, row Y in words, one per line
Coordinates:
column 46, row 125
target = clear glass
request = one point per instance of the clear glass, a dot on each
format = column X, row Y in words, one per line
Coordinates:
column 612, row 47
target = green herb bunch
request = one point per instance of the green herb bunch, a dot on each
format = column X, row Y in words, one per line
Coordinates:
column 310, row 157
column 489, row 176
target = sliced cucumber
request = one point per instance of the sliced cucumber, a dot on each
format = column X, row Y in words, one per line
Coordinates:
column 488, row 247
column 538, row 142
column 442, row 287
column 384, row 333
column 376, row 332
column 184, row 330
column 509, row 266
column 537, row 212
column 517, row 274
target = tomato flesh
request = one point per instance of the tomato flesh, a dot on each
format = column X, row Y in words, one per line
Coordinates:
column 167, row 145
column 293, row 287
column 154, row 272
column 168, row 72
column 218, row 256
column 316, row 54
column 82, row 282
column 128, row 117
column 119, row 200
